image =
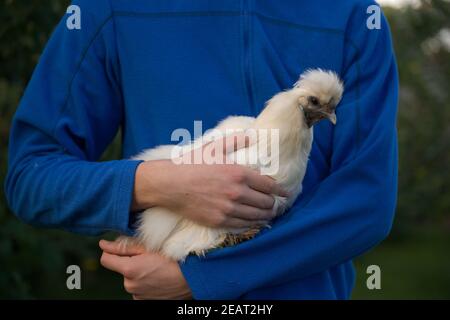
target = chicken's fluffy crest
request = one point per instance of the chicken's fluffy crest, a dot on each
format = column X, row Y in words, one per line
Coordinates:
column 319, row 80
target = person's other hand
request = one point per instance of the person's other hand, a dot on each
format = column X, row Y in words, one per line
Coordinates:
column 216, row 195
column 146, row 275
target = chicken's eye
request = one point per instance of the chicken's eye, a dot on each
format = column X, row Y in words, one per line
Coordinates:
column 313, row 100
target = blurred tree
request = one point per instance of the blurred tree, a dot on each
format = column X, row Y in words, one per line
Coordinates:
column 33, row 261
column 422, row 42
column 24, row 31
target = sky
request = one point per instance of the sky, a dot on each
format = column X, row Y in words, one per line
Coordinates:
column 396, row 3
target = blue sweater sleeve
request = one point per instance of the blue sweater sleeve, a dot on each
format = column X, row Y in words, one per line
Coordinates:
column 71, row 110
column 350, row 211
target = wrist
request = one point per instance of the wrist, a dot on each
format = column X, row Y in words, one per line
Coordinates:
column 147, row 191
column 184, row 289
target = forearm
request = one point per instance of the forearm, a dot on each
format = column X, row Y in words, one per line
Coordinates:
column 62, row 191
column 69, row 114
column 148, row 184
column 231, row 196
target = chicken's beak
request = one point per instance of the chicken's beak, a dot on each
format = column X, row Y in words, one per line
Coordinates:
column 332, row 117
column 314, row 116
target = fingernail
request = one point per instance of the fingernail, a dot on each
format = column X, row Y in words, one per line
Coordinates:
column 103, row 242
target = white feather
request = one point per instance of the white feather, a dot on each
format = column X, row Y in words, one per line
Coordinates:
column 175, row 236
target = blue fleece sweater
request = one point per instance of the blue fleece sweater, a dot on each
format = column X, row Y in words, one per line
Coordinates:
column 149, row 67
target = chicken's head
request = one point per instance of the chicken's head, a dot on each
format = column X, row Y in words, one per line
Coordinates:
column 321, row 93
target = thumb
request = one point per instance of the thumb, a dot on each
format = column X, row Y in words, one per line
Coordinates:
column 122, row 247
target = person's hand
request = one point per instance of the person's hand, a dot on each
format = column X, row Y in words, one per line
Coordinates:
column 216, row 195
column 146, row 275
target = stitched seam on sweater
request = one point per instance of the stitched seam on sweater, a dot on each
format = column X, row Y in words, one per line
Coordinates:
column 289, row 24
column 298, row 25
column 175, row 14
column 241, row 52
column 358, row 94
column 223, row 13
column 119, row 67
column 251, row 44
column 357, row 64
column 77, row 69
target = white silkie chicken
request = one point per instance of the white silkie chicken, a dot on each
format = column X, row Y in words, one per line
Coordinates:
column 292, row 114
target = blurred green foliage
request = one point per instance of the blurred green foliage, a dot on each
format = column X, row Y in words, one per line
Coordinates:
column 414, row 260
column 424, row 116
column 33, row 261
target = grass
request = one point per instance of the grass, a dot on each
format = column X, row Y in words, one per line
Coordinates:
column 416, row 268
column 413, row 266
